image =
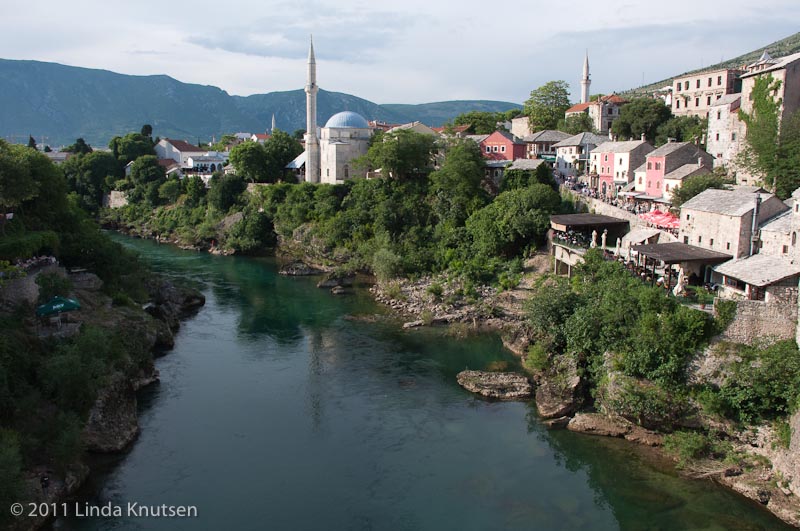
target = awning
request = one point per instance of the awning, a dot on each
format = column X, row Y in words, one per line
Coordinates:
column 566, row 222
column 676, row 252
column 639, row 235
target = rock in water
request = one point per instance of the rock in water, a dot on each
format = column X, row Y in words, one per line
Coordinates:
column 298, row 269
column 113, row 423
column 506, row 385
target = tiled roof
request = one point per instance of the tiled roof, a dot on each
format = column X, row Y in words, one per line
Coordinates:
column 781, row 62
column 548, row 135
column 455, row 128
column 477, row 138
column 759, row 269
column 526, row 164
column 725, row 202
column 261, row 136
column 687, row 170
column 578, row 107
column 166, row 163
column 581, row 139
column 780, row 223
column 727, row 99
column 669, row 147
column 183, row 146
column 619, row 147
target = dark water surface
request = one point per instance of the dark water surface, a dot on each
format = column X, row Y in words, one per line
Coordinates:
column 275, row 412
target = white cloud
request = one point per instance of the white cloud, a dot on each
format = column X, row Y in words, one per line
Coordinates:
column 409, row 52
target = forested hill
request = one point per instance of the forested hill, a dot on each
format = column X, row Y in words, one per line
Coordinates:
column 787, row 46
column 57, row 103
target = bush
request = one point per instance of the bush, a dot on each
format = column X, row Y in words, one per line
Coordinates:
column 10, row 470
column 52, row 285
column 436, row 290
column 386, row 264
column 687, row 446
column 28, row 244
column 537, row 359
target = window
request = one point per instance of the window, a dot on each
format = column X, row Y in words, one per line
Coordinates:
column 687, row 217
column 733, row 136
column 640, row 180
column 708, row 100
column 686, row 240
column 658, row 165
column 785, row 249
column 794, row 239
column 488, row 149
column 719, row 115
column 503, row 149
column 658, row 185
column 649, row 165
column 709, row 82
column 717, row 136
column 728, row 246
column 620, row 161
column 685, row 85
column 699, row 239
column 666, row 188
column 698, row 83
column 711, row 241
column 605, row 158
column 677, row 104
column 494, row 149
column 697, row 102
column 797, row 207
column 328, row 172
column 719, row 80
column 719, row 96
column 679, row 86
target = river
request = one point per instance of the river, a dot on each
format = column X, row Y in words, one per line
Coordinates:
column 276, row 412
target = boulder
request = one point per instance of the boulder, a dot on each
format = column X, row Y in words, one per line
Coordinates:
column 559, row 389
column 613, row 426
column 113, row 423
column 299, row 269
column 338, row 290
column 333, row 280
column 505, row 385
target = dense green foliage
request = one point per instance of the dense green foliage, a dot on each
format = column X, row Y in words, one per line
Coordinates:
column 546, row 106
column 264, row 163
column 641, row 115
column 576, row 123
column 484, row 122
column 682, row 129
column 402, row 154
column 91, row 175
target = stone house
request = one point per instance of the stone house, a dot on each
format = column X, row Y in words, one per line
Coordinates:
column 602, row 111
column 722, row 220
column 541, row 144
column 178, row 150
column 574, row 151
column 501, row 145
column 694, row 94
column 725, row 135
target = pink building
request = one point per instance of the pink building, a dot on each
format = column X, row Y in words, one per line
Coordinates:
column 501, row 145
column 612, row 164
column 668, row 158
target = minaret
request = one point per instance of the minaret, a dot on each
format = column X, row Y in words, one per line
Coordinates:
column 272, row 131
column 312, row 142
column 585, row 82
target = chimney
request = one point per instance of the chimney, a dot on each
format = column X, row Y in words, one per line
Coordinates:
column 643, row 137
column 610, row 135
column 670, row 140
column 754, row 236
column 699, row 162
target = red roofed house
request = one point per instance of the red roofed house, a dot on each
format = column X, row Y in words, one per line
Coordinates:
column 259, row 137
column 602, row 111
column 177, row 150
column 501, row 145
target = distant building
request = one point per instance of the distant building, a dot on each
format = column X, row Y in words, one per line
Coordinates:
column 417, row 127
column 520, row 127
column 177, row 150
column 260, row 137
column 602, row 111
column 668, row 165
column 612, row 164
column 725, row 135
column 457, row 131
column 345, row 137
column 501, row 145
column 572, row 154
column 694, row 94
column 540, row 145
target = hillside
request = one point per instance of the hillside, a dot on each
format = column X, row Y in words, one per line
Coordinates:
column 787, row 46
column 57, row 103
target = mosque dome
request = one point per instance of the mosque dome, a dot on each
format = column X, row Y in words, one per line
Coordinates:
column 347, row 120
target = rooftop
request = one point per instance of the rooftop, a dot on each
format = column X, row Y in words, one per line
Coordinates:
column 548, row 135
column 618, row 147
column 526, row 164
column 759, row 269
column 780, row 223
column 564, row 222
column 578, row 107
column 727, row 99
column 676, row 252
column 687, row 170
column 347, row 120
column 184, row 146
column 769, row 64
column 581, row 139
column 669, row 148
column 727, row 202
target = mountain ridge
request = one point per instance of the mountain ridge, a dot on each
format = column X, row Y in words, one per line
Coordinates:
column 58, row 103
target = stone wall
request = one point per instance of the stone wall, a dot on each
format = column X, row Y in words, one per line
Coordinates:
column 757, row 321
column 24, row 289
column 115, row 199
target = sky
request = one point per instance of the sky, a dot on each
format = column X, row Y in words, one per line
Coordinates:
column 413, row 51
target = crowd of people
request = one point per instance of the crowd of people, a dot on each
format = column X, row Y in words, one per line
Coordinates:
column 34, row 262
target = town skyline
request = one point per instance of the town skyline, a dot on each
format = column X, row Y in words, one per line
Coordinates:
column 422, row 53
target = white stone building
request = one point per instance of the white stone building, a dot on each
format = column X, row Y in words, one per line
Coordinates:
column 572, row 154
column 725, row 136
column 694, row 94
column 345, row 137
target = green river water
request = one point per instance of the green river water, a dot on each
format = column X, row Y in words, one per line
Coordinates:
column 276, row 412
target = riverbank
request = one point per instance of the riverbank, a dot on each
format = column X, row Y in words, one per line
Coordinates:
column 128, row 329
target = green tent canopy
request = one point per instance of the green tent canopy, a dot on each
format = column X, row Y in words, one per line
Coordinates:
column 57, row 305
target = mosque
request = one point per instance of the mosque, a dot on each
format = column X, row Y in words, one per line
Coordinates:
column 331, row 149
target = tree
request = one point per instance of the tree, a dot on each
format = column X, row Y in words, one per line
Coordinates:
column 280, row 149
column 16, row 182
column 577, row 123
column 195, row 191
column 89, row 175
column 682, row 129
column 298, row 134
column 547, row 104
column 171, row 190
column 79, row 147
column 691, row 186
column 402, row 154
column 515, row 179
column 225, row 191
column 455, row 190
column 787, row 178
column 760, row 155
column 641, row 115
column 147, row 130
column 250, row 161
column 130, row 147
column 480, row 122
